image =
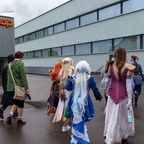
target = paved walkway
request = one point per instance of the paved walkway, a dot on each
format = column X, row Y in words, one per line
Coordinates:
column 39, row 129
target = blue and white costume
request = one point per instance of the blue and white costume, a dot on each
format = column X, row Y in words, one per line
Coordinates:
column 80, row 105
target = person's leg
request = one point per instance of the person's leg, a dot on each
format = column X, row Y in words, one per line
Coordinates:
column 137, row 93
column 66, row 126
column 2, row 110
column 106, row 97
column 9, row 118
column 136, row 100
column 15, row 114
column 20, row 122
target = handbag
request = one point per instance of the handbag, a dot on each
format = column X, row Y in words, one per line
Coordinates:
column 20, row 93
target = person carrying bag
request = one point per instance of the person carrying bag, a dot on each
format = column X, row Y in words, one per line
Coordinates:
column 17, row 87
column 20, row 93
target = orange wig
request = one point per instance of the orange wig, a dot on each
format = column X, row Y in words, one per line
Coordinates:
column 55, row 72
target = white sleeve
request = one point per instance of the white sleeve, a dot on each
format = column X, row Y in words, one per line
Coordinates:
column 129, row 90
column 107, row 83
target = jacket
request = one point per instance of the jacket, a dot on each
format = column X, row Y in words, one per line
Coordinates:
column 19, row 75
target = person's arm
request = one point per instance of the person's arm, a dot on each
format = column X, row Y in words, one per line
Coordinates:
column 107, row 81
column 68, row 85
column 93, row 86
column 140, row 70
column 23, row 76
column 102, row 72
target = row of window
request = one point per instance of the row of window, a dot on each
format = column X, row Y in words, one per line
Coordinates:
column 129, row 43
column 98, row 15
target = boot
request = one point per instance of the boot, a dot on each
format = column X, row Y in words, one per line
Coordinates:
column 20, row 122
column 9, row 120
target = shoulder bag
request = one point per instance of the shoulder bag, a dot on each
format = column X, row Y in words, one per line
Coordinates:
column 20, row 93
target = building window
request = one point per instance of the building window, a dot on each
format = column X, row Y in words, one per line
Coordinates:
column 109, row 12
column 32, row 36
column 19, row 40
column 88, row 18
column 142, row 42
column 26, row 38
column 129, row 43
column 59, row 27
column 39, row 34
column 83, row 48
column 118, row 42
column 102, row 46
column 46, row 53
column 30, row 55
column 50, row 30
column 68, row 50
column 46, row 32
column 55, row 51
column 132, row 5
column 25, row 55
column 38, row 54
column 72, row 23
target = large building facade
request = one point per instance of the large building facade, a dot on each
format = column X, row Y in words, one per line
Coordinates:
column 7, row 42
column 83, row 30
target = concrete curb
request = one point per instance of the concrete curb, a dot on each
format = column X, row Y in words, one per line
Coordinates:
column 37, row 104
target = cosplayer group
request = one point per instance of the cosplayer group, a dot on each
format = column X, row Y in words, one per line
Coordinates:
column 70, row 100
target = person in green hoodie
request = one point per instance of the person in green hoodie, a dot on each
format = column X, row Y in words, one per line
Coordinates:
column 19, row 74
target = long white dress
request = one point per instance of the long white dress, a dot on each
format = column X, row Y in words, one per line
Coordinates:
column 116, row 123
column 116, row 118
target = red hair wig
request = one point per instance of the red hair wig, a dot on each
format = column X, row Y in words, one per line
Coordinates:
column 55, row 72
column 18, row 55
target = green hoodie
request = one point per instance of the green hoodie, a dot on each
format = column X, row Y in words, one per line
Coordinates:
column 19, row 75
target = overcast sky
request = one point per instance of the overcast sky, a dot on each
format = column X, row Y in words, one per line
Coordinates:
column 24, row 10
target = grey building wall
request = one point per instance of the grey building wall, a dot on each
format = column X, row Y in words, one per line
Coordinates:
column 7, row 45
column 38, row 70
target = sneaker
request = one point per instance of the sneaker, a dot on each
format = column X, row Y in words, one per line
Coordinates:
column 1, row 114
column 9, row 120
column 65, row 128
column 20, row 122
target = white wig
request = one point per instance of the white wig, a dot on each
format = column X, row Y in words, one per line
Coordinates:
column 82, row 69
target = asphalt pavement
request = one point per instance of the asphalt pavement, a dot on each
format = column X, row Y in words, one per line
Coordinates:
column 40, row 130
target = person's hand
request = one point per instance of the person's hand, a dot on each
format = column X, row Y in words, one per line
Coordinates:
column 28, row 92
column 100, row 97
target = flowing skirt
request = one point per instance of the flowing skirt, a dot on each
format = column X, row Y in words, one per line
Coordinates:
column 116, row 122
